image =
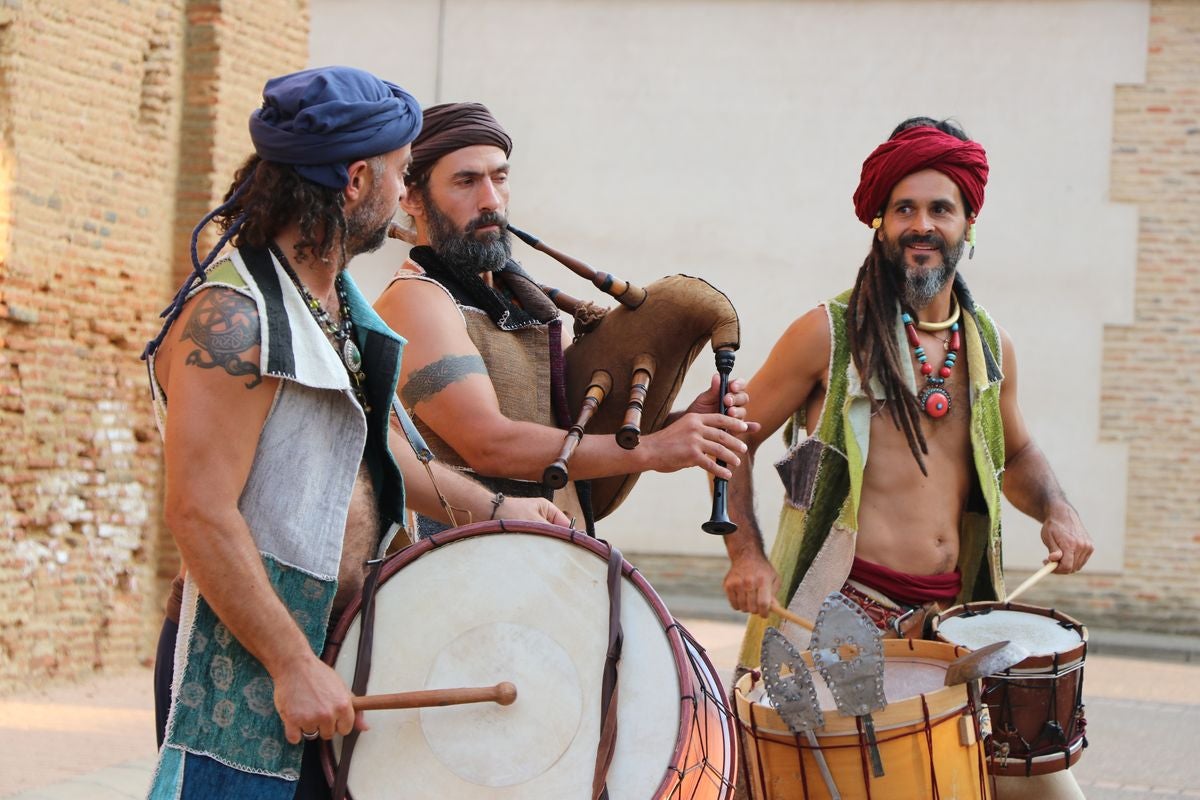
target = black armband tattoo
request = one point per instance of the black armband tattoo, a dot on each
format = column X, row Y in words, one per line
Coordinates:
column 225, row 325
column 432, row 378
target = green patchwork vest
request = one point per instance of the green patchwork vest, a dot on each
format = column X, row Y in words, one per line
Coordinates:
column 823, row 473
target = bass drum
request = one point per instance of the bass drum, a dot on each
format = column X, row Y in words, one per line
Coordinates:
column 528, row 603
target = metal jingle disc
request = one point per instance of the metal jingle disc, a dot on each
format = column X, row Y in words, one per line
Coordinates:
column 856, row 682
column 789, row 683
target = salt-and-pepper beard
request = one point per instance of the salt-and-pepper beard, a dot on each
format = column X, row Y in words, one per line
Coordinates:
column 365, row 233
column 460, row 250
column 921, row 285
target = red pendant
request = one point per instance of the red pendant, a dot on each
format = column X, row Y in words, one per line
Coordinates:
column 936, row 402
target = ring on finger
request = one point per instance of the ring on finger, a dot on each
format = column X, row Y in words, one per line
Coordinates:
column 310, row 735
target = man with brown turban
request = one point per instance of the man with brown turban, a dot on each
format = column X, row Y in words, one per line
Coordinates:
column 907, row 364
column 483, row 366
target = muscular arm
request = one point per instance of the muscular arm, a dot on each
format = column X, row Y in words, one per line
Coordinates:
column 208, row 368
column 461, row 492
column 444, row 381
column 794, row 370
column 1030, row 484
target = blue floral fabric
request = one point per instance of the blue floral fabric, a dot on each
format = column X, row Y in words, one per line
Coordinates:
column 226, row 702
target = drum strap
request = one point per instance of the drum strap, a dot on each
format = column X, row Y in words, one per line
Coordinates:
column 608, row 692
column 362, row 670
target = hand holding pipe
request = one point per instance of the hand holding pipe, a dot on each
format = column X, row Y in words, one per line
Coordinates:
column 720, row 523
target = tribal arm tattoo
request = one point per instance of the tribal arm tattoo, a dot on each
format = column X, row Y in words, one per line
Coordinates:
column 225, row 325
column 433, row 377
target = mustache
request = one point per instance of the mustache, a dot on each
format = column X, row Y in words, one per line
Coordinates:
column 488, row 218
column 927, row 239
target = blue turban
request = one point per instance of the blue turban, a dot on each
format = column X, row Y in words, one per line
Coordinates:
column 322, row 119
column 317, row 121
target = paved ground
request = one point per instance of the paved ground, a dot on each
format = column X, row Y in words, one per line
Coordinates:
column 95, row 741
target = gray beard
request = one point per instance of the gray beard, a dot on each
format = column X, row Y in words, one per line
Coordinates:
column 920, row 287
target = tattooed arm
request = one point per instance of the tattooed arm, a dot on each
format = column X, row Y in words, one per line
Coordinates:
column 208, row 366
column 444, row 381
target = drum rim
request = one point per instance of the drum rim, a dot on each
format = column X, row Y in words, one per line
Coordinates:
column 1017, row 766
column 402, row 558
column 1062, row 661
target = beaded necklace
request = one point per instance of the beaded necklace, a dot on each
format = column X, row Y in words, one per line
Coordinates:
column 341, row 333
column 935, row 398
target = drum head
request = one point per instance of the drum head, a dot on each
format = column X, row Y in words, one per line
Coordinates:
column 532, row 609
column 1041, row 631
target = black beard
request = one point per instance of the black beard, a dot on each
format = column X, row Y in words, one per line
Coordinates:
column 920, row 286
column 461, row 251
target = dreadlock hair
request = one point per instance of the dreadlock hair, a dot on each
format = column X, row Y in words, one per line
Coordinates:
column 277, row 196
column 871, row 322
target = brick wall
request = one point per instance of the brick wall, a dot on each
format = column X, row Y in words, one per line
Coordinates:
column 1150, row 390
column 95, row 133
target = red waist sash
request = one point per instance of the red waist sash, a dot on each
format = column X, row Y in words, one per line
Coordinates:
column 905, row 589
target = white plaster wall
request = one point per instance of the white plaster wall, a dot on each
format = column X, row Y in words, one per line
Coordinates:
column 724, row 139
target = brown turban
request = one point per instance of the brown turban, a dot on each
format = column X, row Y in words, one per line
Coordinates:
column 917, row 149
column 453, row 126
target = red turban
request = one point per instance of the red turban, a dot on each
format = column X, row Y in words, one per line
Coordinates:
column 914, row 150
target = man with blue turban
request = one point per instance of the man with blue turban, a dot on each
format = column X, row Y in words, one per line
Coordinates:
column 283, row 477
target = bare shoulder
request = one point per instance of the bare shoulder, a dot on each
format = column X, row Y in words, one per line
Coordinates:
column 210, row 371
column 414, row 304
column 811, row 329
column 794, row 369
column 1008, row 350
column 218, row 330
column 805, row 344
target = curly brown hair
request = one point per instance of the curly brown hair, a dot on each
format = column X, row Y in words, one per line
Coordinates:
column 276, row 196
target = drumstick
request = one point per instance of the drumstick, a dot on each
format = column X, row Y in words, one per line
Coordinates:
column 849, row 650
column 778, row 608
column 503, row 693
column 1031, row 580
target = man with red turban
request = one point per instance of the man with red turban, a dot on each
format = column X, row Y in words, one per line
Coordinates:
column 901, row 402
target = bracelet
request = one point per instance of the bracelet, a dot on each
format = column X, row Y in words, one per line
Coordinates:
column 497, row 501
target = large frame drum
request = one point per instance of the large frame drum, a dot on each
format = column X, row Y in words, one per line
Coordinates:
column 1037, row 705
column 928, row 736
column 528, row 603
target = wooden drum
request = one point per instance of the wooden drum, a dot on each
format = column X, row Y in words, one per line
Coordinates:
column 528, row 603
column 928, row 736
column 1037, row 705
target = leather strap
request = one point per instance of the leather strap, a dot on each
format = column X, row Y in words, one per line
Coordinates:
column 362, row 671
column 608, row 691
column 415, row 440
